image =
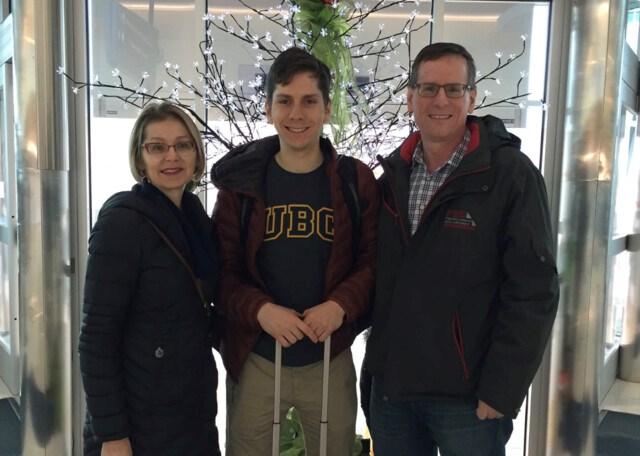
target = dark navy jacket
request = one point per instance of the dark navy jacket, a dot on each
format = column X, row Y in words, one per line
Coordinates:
column 465, row 306
column 145, row 354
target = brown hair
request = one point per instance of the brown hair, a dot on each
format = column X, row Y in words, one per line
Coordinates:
column 437, row 50
column 292, row 62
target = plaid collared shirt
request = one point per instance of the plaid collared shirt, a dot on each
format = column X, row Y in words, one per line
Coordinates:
column 423, row 184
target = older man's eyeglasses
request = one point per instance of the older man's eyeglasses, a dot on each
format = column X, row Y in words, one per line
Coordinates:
column 159, row 149
column 430, row 90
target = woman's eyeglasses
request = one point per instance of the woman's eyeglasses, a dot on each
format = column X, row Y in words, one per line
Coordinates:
column 181, row 148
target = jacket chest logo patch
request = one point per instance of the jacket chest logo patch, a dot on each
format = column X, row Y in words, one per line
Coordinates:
column 460, row 220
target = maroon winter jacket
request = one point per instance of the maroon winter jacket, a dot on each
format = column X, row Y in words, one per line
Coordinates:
column 242, row 291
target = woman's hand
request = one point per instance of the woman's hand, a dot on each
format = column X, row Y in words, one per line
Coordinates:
column 120, row 447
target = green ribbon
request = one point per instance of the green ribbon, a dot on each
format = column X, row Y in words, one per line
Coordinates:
column 323, row 29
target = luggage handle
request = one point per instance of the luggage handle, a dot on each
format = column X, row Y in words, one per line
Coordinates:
column 275, row 445
column 325, row 397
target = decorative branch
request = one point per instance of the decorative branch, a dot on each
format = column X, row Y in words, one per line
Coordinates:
column 375, row 119
column 499, row 66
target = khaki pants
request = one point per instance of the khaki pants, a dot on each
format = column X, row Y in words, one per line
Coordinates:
column 250, row 406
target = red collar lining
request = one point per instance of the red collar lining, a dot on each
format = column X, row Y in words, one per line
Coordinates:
column 409, row 146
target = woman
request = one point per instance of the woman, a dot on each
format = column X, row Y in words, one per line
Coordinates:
column 145, row 344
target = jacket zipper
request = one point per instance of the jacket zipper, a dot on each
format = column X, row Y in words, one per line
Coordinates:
column 457, row 326
column 405, row 232
column 403, row 228
column 444, row 184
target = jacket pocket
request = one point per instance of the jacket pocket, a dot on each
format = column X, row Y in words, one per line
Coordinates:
column 543, row 253
column 459, row 341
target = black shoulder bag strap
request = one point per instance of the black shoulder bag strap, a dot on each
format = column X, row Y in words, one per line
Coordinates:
column 349, row 176
column 245, row 217
column 196, row 281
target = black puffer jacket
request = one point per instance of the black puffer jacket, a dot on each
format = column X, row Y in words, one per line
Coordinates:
column 145, row 354
column 465, row 306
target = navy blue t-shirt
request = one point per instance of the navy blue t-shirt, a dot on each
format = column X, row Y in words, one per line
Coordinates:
column 295, row 251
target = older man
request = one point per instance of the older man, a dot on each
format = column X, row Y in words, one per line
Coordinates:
column 466, row 290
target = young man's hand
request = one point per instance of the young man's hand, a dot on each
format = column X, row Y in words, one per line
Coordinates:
column 324, row 319
column 284, row 324
column 120, row 447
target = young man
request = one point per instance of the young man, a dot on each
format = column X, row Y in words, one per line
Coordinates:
column 466, row 284
column 292, row 274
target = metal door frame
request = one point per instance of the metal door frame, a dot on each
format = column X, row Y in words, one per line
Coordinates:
column 588, row 45
column 9, row 355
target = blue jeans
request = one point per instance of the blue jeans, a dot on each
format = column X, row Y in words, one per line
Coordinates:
column 421, row 427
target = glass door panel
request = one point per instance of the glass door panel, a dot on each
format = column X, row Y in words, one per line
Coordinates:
column 619, row 313
column 513, row 35
column 633, row 25
column 624, row 207
column 134, row 44
column 626, row 178
column 9, row 321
